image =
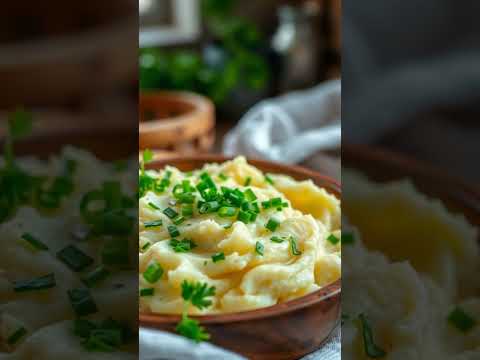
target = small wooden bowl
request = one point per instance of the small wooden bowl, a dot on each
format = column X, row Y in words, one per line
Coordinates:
column 176, row 121
column 280, row 332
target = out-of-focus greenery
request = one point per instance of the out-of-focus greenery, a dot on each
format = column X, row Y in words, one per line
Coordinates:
column 234, row 60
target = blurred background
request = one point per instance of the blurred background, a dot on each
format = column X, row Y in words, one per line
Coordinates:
column 233, row 53
column 74, row 66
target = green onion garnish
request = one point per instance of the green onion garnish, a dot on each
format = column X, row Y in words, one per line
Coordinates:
column 153, row 273
column 153, row 206
column 244, row 216
column 208, row 207
column 277, row 239
column 268, row 179
column 95, row 276
column 294, row 246
column 178, row 220
column 272, row 224
column 218, row 257
column 39, row 283
column 461, row 320
column 182, row 246
column 333, row 239
column 145, row 246
column 227, row 211
column 259, row 248
column 371, row 349
column 223, row 177
column 187, row 210
column 173, row 231
column 250, row 195
column 74, row 258
column 147, row 292
column 248, row 181
column 82, row 302
column 170, row 213
column 16, row 336
column 37, row 244
column 186, row 198
column 154, row 223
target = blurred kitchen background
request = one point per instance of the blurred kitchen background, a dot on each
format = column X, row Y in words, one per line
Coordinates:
column 235, row 54
column 74, row 66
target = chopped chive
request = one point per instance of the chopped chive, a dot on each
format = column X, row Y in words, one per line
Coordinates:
column 170, row 213
column 182, row 246
column 371, row 349
column 266, row 204
column 186, row 198
column 333, row 239
column 248, row 181
column 227, row 226
column 153, row 206
column 74, row 258
column 277, row 239
column 223, row 177
column 218, row 257
column 147, row 292
column 37, row 244
column 226, row 211
column 154, row 223
column 208, row 207
column 153, row 273
column 275, row 202
column 244, row 216
column 259, row 248
column 145, row 246
column 461, row 320
column 348, row 239
column 82, row 302
column 294, row 246
column 187, row 210
column 269, row 180
column 39, row 283
column 250, row 195
column 173, row 231
column 272, row 224
column 16, row 336
column 178, row 220
column 95, row 276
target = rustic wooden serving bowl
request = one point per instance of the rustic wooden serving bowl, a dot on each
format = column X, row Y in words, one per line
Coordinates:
column 176, row 121
column 283, row 331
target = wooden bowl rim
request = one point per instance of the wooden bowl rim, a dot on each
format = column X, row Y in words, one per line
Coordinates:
column 325, row 293
column 200, row 103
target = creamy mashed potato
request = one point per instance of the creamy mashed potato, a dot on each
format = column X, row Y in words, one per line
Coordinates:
column 39, row 324
column 269, row 247
column 411, row 264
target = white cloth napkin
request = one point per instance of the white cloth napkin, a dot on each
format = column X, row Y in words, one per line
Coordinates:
column 290, row 128
column 287, row 129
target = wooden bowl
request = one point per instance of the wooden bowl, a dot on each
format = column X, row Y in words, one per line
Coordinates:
column 176, row 121
column 284, row 331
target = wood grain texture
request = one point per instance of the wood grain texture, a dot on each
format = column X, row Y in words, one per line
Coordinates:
column 281, row 332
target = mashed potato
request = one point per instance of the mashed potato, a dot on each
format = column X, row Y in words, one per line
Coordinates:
column 411, row 271
column 265, row 239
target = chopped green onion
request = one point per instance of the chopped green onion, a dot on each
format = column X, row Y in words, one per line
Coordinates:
column 259, row 248
column 268, row 179
column 294, row 246
column 250, row 195
column 170, row 213
column 74, row 258
column 272, row 224
column 227, row 211
column 266, row 204
column 461, row 320
column 95, row 276
column 178, row 220
column 153, row 206
column 348, row 239
column 153, row 273
column 187, row 210
column 248, row 181
column 371, row 349
column 16, row 336
column 147, row 292
column 333, row 239
column 154, row 223
column 244, row 216
column 186, row 198
column 82, row 302
column 146, row 246
column 37, row 244
column 39, row 283
column 208, row 207
column 276, row 202
column 277, row 239
column 223, row 177
column 218, row 257
column 182, row 246
column 173, row 231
